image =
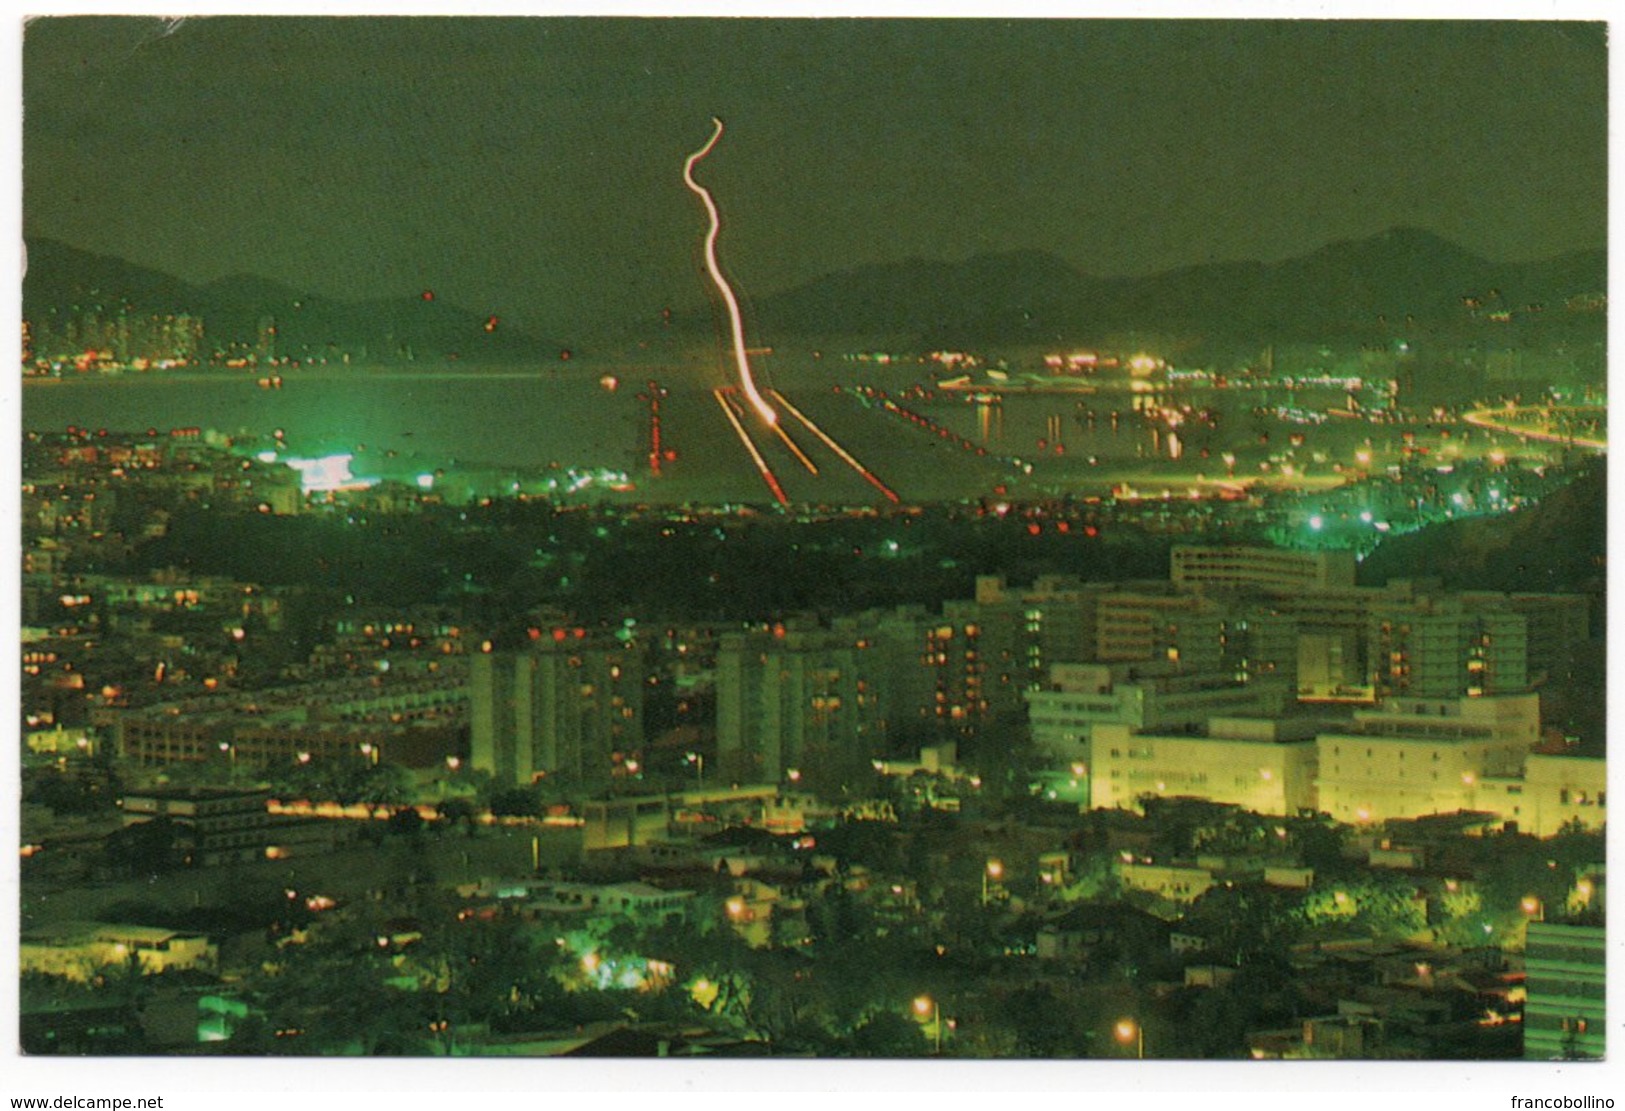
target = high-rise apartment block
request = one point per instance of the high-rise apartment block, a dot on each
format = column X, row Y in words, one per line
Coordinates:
column 790, row 699
column 563, row 707
column 1426, row 695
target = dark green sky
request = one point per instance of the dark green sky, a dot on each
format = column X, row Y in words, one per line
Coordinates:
column 533, row 167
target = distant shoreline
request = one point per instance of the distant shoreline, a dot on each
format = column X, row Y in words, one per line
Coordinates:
column 295, row 375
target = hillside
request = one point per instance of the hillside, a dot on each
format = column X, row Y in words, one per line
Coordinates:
column 1372, row 288
column 1560, row 545
column 64, row 283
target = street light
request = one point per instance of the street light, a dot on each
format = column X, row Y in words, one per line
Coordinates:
column 698, row 760
column 1127, row 1030
column 994, row 872
column 926, row 1005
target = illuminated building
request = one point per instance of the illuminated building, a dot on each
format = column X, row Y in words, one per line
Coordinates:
column 1441, row 648
column 974, row 656
column 222, row 826
column 1412, row 757
column 1564, row 1014
column 1345, row 643
column 501, row 690
column 411, row 720
column 1259, row 764
column 566, row 706
column 788, row 699
column 124, row 341
column 1474, row 642
column 600, row 905
column 897, row 685
column 1142, row 697
column 78, row 951
column 1062, row 620
column 1559, row 789
column 1282, row 569
column 1142, row 625
column 1178, row 881
column 1049, row 622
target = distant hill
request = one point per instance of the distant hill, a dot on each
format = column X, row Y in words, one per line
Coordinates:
column 1559, row 545
column 63, row 282
column 1367, row 288
column 1401, row 282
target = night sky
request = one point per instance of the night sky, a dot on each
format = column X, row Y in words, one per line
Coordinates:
column 532, row 167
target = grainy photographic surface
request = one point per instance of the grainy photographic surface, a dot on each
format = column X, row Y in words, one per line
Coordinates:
column 693, row 538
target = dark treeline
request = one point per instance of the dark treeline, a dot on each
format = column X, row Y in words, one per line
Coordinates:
column 500, row 561
column 503, row 560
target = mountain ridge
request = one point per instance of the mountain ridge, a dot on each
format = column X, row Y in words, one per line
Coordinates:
column 1357, row 290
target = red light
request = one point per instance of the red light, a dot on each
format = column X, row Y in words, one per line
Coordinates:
column 559, row 634
column 490, row 324
column 428, row 295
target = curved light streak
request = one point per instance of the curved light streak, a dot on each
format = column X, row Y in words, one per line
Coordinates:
column 747, row 382
column 1499, row 421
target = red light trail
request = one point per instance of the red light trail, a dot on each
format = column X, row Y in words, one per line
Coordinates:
column 741, row 357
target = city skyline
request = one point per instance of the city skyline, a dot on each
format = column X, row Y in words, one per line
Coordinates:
column 523, row 166
column 1152, row 604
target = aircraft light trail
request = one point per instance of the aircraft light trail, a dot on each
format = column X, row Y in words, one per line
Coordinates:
column 737, row 324
column 845, row 455
column 795, row 449
column 756, row 457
